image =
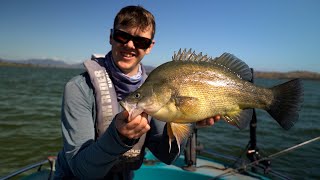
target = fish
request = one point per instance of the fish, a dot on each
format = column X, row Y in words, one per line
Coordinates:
column 193, row 87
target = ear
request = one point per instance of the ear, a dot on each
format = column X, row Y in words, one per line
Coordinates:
column 150, row 47
column 110, row 37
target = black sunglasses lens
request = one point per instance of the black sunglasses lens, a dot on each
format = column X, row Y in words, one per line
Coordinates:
column 123, row 38
column 141, row 42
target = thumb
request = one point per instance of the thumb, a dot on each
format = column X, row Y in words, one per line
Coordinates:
column 123, row 116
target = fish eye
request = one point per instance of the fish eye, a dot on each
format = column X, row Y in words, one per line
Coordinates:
column 137, row 95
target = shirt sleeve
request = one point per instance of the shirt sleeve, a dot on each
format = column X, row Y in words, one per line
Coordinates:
column 158, row 143
column 86, row 157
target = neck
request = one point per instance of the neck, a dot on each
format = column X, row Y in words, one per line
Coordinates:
column 124, row 83
column 134, row 73
column 131, row 72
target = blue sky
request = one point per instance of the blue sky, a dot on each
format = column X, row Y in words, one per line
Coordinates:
column 269, row 35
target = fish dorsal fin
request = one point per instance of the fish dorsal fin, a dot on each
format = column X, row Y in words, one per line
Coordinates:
column 234, row 65
column 226, row 61
column 184, row 55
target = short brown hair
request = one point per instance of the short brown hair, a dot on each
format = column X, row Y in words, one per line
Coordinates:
column 136, row 17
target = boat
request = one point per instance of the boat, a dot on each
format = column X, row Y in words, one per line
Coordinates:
column 205, row 168
column 195, row 163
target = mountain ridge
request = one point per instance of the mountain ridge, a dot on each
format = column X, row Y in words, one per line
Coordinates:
column 61, row 64
column 50, row 63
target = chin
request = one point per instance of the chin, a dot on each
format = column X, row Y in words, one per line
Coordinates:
column 125, row 66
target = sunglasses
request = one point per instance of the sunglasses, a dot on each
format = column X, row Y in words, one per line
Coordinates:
column 123, row 38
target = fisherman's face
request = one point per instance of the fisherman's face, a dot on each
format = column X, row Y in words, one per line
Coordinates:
column 126, row 56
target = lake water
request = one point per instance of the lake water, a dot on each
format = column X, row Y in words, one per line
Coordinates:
column 30, row 102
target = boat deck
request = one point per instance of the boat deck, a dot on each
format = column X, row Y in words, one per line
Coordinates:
column 205, row 169
column 152, row 168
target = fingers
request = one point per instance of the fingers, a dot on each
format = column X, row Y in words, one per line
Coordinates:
column 217, row 118
column 134, row 128
column 208, row 121
column 123, row 116
column 138, row 126
column 205, row 122
column 201, row 123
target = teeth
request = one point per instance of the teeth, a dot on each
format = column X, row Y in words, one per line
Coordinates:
column 127, row 54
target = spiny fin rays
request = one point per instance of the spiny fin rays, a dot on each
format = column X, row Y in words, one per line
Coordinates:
column 189, row 56
column 227, row 61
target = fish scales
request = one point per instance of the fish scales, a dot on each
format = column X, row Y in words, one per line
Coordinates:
column 202, row 80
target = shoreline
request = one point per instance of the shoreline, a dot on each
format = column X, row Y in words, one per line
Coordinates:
column 308, row 75
column 288, row 75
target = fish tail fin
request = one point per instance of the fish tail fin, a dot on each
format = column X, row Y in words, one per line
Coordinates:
column 286, row 103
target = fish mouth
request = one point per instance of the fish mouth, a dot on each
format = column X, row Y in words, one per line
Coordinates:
column 124, row 105
column 133, row 109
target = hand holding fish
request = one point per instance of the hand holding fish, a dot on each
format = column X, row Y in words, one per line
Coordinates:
column 208, row 122
column 132, row 128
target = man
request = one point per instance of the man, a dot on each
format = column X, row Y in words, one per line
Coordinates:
column 93, row 146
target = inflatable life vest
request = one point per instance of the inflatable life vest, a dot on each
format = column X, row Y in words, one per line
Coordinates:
column 108, row 106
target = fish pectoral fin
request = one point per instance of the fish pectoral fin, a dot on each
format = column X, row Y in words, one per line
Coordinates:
column 186, row 104
column 185, row 100
column 178, row 132
column 240, row 119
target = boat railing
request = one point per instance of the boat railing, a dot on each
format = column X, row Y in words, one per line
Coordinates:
column 51, row 160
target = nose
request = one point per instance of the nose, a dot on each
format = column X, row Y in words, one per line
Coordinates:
column 130, row 44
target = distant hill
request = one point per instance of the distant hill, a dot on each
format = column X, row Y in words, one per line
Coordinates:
column 41, row 63
column 49, row 63
column 62, row 64
column 288, row 75
column 148, row 69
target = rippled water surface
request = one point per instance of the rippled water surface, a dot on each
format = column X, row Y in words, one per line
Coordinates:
column 30, row 102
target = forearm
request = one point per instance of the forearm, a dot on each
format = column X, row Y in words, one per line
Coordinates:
column 97, row 158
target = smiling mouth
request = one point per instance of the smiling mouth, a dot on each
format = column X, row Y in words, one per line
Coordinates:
column 127, row 55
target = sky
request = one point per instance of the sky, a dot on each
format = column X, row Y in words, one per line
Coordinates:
column 269, row 35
